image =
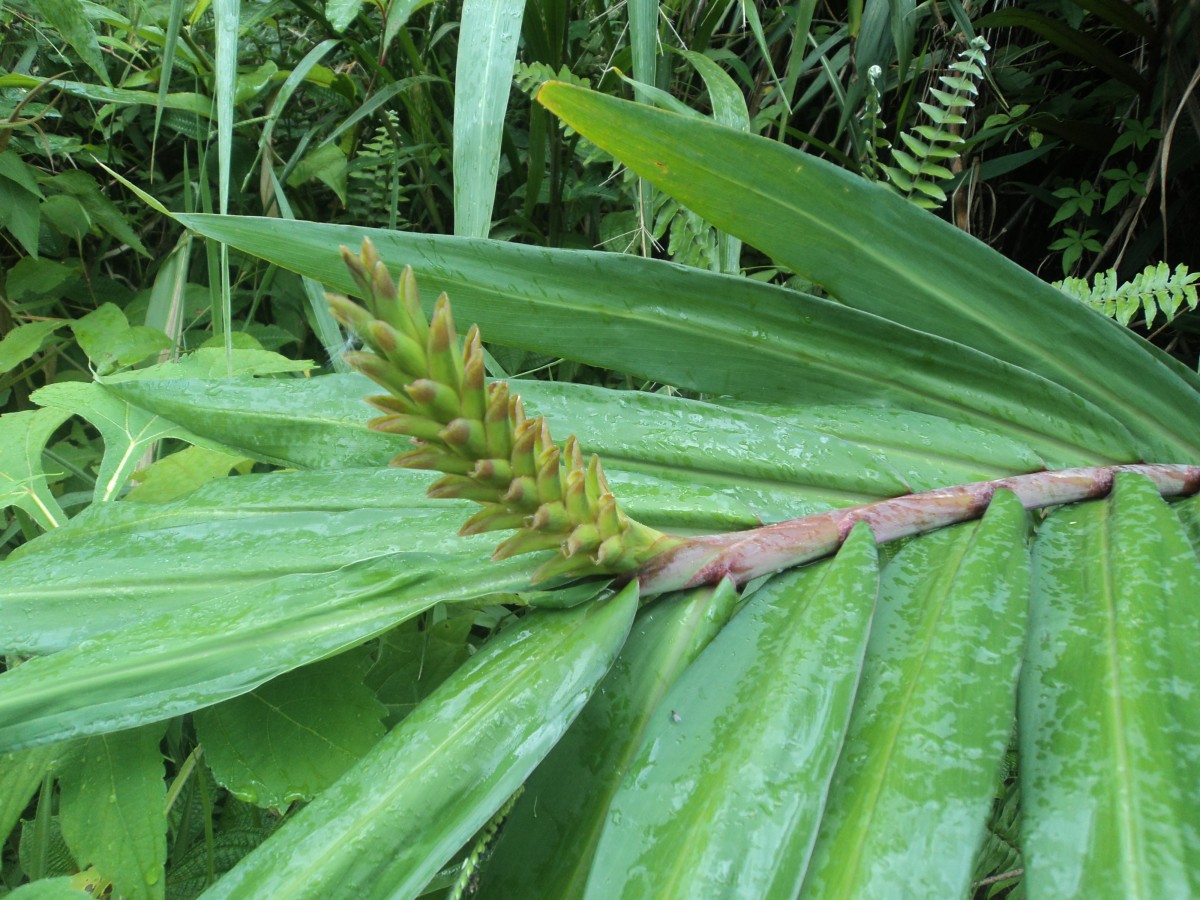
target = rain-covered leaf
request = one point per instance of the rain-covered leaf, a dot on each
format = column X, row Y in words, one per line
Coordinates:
column 294, row 736
column 548, row 842
column 113, row 809
column 698, row 330
column 389, row 824
column 877, row 252
column 1109, row 724
column 726, row 794
column 916, row 777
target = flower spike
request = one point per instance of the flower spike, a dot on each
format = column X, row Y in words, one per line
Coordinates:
column 478, row 436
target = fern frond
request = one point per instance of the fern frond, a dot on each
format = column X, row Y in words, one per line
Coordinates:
column 529, row 77
column 1153, row 290
column 478, row 435
column 921, row 167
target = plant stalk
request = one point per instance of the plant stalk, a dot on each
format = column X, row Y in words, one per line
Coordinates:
column 745, row 555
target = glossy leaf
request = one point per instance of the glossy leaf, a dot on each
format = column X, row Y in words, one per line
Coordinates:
column 548, row 842
column 104, row 570
column 875, row 251
column 294, row 736
column 917, row 774
column 113, row 809
column 707, row 332
column 227, row 642
column 320, row 423
column 725, row 797
column 1109, row 723
column 387, row 826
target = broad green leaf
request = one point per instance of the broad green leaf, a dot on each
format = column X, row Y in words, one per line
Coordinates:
column 67, row 215
column 875, row 251
column 113, row 809
column 1109, row 725
column 726, row 794
column 23, row 437
column 181, row 473
column 70, row 20
column 231, row 641
column 20, row 213
column 102, row 211
column 16, row 170
column 110, row 343
column 707, row 332
column 30, row 280
column 387, row 826
column 292, row 737
column 487, row 49
column 548, row 841
column 917, row 774
column 926, row 451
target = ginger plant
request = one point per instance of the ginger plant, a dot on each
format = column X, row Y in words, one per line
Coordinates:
column 489, row 451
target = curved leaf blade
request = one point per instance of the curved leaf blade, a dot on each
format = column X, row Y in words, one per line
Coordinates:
column 877, row 252
column 669, row 323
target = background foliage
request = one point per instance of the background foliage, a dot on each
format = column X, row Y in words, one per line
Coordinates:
column 1077, row 156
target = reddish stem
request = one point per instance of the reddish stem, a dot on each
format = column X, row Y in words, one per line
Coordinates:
column 744, row 555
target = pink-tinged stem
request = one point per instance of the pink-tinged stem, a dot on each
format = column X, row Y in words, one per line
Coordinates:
column 745, row 555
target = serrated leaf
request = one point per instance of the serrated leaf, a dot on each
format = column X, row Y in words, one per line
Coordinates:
column 930, row 691
column 725, row 796
column 294, row 736
column 113, row 809
column 411, row 662
column 1109, row 726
